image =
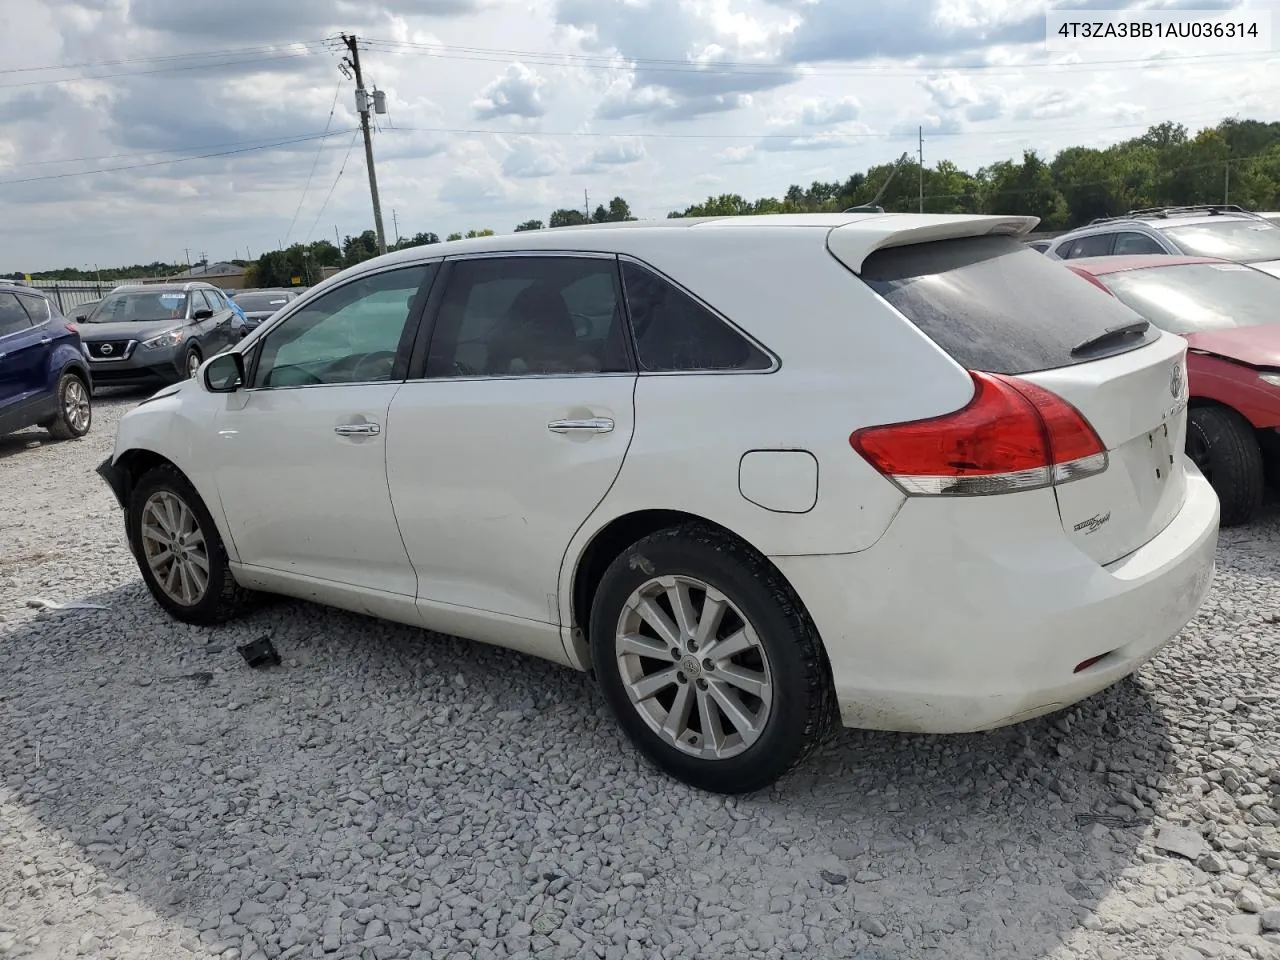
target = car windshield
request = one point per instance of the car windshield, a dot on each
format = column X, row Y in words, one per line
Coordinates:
column 1250, row 241
column 262, row 302
column 1193, row 297
column 141, row 307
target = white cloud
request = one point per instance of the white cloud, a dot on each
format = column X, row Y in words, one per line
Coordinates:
column 516, row 93
column 657, row 101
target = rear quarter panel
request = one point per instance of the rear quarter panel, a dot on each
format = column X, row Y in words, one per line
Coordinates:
column 1234, row 385
column 848, row 360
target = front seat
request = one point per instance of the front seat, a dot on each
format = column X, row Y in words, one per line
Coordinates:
column 539, row 335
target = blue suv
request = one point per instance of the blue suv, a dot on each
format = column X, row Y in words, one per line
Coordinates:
column 44, row 377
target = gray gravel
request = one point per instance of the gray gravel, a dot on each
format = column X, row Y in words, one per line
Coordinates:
column 385, row 793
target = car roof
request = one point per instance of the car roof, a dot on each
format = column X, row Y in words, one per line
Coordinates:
column 859, row 234
column 160, row 287
column 1101, row 266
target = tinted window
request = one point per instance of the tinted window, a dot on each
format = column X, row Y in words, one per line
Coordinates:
column 37, row 308
column 996, row 306
column 12, row 317
column 1199, row 296
column 675, row 332
column 1247, row 240
column 508, row 316
column 141, row 307
column 349, row 335
column 262, row 302
column 1135, row 243
column 1098, row 245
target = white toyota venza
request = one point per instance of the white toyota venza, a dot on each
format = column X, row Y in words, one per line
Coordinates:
column 759, row 474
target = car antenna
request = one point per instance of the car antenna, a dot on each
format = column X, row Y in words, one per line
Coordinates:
column 874, row 205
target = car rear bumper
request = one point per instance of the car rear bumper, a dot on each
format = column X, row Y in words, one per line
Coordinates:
column 953, row 625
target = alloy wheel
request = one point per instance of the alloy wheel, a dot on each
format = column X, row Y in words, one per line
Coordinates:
column 193, row 364
column 175, row 548
column 693, row 667
column 75, row 405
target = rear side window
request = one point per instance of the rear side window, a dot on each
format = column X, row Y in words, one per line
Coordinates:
column 12, row 317
column 1098, row 245
column 998, row 307
column 37, row 309
column 676, row 333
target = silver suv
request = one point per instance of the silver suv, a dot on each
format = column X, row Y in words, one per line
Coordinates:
column 1209, row 230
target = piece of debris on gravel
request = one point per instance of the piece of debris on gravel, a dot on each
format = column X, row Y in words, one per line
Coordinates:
column 391, row 794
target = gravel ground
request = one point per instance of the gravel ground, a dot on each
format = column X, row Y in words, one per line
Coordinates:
column 385, row 793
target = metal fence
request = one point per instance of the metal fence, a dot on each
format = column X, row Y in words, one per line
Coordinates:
column 68, row 294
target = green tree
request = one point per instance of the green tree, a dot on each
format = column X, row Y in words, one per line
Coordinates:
column 566, row 217
column 417, row 240
column 529, row 225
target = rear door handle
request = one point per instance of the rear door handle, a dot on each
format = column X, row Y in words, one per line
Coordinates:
column 590, row 425
column 357, row 429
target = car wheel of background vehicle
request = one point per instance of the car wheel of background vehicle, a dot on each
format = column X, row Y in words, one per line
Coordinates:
column 708, row 660
column 193, row 362
column 179, row 552
column 75, row 409
column 1223, row 445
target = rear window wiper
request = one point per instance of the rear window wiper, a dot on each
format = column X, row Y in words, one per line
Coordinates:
column 1132, row 328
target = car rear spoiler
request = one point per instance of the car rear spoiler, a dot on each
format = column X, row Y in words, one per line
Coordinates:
column 853, row 243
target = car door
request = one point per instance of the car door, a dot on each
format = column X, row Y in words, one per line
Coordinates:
column 301, row 469
column 226, row 329
column 24, row 353
column 512, row 427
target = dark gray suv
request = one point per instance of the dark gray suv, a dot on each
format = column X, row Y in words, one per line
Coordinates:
column 157, row 333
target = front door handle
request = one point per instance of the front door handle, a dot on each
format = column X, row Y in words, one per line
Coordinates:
column 590, row 425
column 357, row 429
column 44, row 340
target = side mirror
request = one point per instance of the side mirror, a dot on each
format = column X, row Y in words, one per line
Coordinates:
column 202, row 314
column 224, row 373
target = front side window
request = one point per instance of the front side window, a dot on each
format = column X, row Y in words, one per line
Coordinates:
column 349, row 335
column 12, row 317
column 676, row 333
column 529, row 316
column 142, row 307
column 37, row 309
column 1135, row 243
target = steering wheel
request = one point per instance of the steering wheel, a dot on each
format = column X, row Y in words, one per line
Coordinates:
column 583, row 324
column 385, row 357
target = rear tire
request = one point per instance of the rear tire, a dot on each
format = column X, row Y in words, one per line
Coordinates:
column 192, row 362
column 75, row 409
column 760, row 660
column 179, row 551
column 1223, row 445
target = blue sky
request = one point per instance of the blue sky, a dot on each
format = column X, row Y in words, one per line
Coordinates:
column 501, row 111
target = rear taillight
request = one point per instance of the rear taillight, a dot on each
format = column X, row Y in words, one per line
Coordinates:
column 71, row 328
column 1013, row 435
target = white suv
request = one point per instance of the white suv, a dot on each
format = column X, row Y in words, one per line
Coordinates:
column 757, row 473
column 1225, row 231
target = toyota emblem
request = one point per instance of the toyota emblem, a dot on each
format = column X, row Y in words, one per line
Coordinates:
column 1175, row 382
column 106, row 350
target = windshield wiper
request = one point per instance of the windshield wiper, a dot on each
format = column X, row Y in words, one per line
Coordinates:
column 1132, row 328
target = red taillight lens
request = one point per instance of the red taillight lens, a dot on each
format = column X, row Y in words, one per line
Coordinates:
column 1013, row 435
column 72, row 328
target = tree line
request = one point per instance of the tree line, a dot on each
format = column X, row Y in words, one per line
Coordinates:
column 1234, row 161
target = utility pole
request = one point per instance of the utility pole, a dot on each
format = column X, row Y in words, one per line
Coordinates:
column 395, row 222
column 337, row 240
column 363, row 104
column 920, row 154
column 1226, row 181
column 586, row 205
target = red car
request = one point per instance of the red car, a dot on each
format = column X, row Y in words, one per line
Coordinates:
column 1229, row 314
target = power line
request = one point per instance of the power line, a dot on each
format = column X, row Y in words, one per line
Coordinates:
column 240, row 51
column 315, row 161
column 345, row 158
column 747, row 68
column 160, row 163
column 173, row 69
column 152, row 153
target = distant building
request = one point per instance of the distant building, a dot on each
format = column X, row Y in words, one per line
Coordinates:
column 228, row 276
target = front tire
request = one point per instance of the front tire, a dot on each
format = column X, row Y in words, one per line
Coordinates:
column 708, row 661
column 1223, row 445
column 179, row 551
column 192, row 362
column 75, row 409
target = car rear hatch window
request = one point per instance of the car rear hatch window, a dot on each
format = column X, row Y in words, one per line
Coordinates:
column 995, row 306
column 1251, row 241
